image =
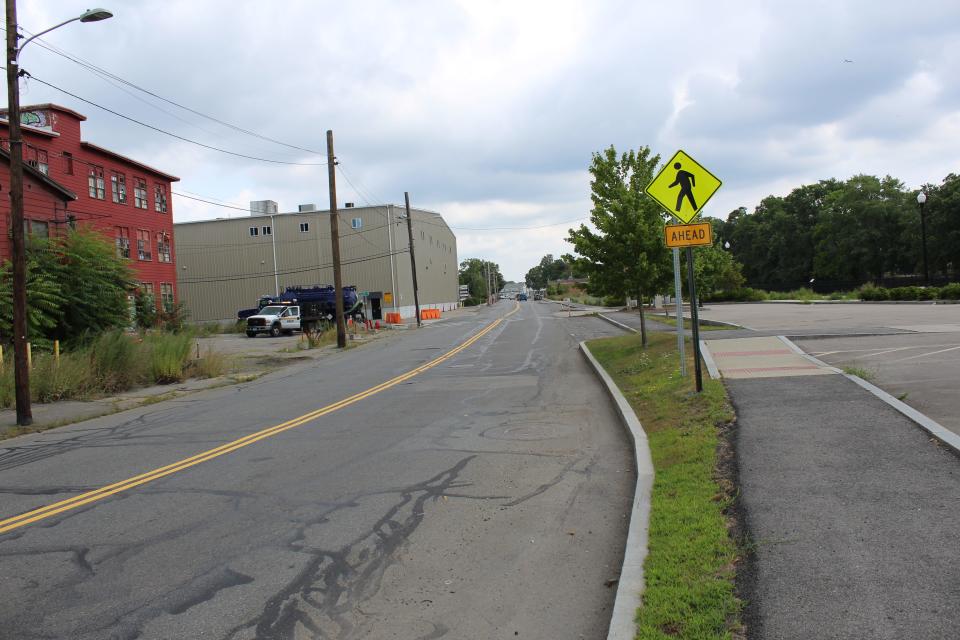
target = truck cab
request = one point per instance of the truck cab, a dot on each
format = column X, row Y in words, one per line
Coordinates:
column 274, row 319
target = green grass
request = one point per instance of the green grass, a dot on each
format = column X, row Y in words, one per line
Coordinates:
column 690, row 568
column 672, row 321
column 860, row 372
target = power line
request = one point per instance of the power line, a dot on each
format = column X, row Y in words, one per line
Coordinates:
column 174, row 135
column 107, row 74
column 253, row 276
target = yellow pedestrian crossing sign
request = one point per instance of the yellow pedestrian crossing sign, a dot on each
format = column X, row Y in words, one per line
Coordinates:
column 683, row 187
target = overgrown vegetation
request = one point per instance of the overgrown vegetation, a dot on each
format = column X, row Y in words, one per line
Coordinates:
column 690, row 568
column 76, row 285
column 113, row 362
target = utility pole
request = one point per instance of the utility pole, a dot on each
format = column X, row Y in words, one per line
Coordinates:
column 486, row 264
column 413, row 259
column 21, row 372
column 335, row 241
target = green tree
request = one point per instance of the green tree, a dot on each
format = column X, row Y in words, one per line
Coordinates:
column 548, row 269
column 473, row 273
column 942, row 213
column 44, row 302
column 76, row 285
column 626, row 252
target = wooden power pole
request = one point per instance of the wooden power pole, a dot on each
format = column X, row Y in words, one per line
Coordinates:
column 21, row 371
column 335, row 242
column 413, row 259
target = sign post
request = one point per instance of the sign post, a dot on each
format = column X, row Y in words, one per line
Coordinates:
column 692, row 185
column 678, row 294
column 694, row 320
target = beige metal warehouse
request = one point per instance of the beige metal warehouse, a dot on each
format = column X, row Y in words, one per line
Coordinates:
column 226, row 264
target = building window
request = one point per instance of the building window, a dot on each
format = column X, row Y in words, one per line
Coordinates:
column 67, row 163
column 163, row 247
column 254, row 232
column 160, row 198
column 267, row 231
column 123, row 242
column 36, row 158
column 140, row 193
column 43, row 162
column 118, row 187
column 95, row 184
column 37, row 228
column 304, row 227
column 143, row 245
column 146, row 290
column 166, row 295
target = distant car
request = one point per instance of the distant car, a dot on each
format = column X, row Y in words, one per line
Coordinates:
column 538, row 296
column 522, row 297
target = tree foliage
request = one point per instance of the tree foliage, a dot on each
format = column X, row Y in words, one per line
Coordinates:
column 550, row 268
column 473, row 273
column 846, row 232
column 76, row 285
column 625, row 253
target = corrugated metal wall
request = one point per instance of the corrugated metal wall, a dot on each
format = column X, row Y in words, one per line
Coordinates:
column 222, row 267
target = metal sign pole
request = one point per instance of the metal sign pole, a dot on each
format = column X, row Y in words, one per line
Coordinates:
column 694, row 319
column 678, row 294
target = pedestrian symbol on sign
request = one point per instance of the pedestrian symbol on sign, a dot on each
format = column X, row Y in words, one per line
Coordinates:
column 687, row 182
column 683, row 187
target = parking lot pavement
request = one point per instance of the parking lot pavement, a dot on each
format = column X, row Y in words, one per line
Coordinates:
column 859, row 317
column 921, row 369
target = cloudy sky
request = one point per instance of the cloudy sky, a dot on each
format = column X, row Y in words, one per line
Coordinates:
column 487, row 111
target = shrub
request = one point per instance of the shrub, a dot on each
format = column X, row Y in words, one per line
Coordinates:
column 872, row 293
column 903, row 293
column 168, row 356
column 173, row 317
column 950, row 291
column 145, row 310
column 116, row 361
column 211, row 365
column 927, row 293
column 51, row 380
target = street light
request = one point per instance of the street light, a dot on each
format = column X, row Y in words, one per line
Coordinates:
column 921, row 200
column 21, row 372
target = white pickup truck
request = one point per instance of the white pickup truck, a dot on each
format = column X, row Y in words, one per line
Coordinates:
column 274, row 319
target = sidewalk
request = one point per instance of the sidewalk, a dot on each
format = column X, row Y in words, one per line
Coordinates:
column 853, row 510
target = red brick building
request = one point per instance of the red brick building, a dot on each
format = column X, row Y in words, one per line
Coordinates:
column 127, row 201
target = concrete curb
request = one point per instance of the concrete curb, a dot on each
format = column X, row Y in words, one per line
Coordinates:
column 709, row 361
column 930, row 425
column 630, row 585
column 619, row 324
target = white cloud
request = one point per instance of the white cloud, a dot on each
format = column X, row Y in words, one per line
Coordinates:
column 489, row 111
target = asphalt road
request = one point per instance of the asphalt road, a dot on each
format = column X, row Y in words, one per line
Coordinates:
column 483, row 497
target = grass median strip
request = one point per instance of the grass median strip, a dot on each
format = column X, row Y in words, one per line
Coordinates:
column 691, row 564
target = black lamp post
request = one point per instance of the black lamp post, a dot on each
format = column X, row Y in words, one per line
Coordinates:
column 921, row 200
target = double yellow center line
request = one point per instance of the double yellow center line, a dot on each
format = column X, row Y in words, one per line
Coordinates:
column 82, row 499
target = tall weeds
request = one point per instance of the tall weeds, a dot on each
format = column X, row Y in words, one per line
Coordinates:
column 111, row 362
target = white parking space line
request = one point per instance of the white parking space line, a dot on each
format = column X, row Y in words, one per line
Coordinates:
column 884, row 349
column 923, row 355
column 880, row 353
